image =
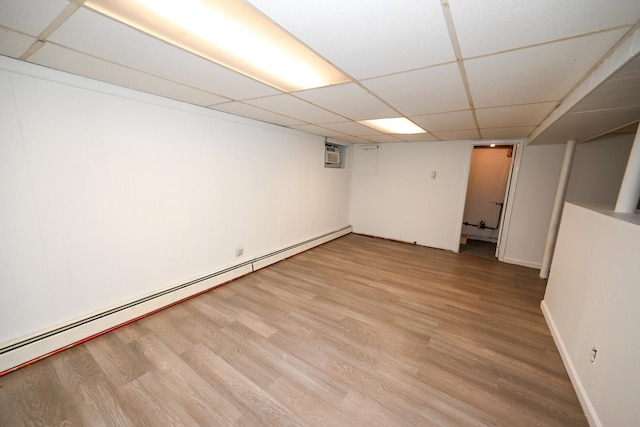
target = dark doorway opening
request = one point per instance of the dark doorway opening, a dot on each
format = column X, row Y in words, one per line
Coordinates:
column 483, row 212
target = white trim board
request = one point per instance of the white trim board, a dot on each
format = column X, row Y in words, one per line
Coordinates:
column 523, row 263
column 30, row 349
column 585, row 402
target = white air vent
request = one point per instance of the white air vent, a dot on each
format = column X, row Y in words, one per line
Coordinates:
column 332, row 154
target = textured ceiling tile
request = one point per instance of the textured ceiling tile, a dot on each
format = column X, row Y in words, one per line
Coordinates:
column 349, row 100
column 421, row 137
column 14, row 44
column 397, row 48
column 105, row 38
column 244, row 110
column 457, row 134
column 318, row 130
column 296, row 108
column 457, row 120
column 77, row 63
column 537, row 74
column 381, row 138
column 367, row 38
column 430, row 90
column 507, row 132
column 354, row 140
column 350, row 128
column 621, row 91
column 514, row 115
column 492, row 26
column 30, row 16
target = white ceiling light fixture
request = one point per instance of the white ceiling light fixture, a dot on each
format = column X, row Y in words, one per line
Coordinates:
column 230, row 33
column 398, row 125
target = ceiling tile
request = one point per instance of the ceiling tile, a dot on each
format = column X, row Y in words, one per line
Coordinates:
column 365, row 38
column 349, row 100
column 296, row 108
column 493, row 26
column 592, row 116
column 14, row 44
column 537, row 74
column 521, row 59
column 507, row 132
column 381, row 138
column 622, row 90
column 60, row 58
column 430, row 90
column 30, row 16
column 457, row 134
column 105, row 38
column 351, row 128
column 514, row 115
column 420, row 137
column 318, row 130
column 586, row 125
column 457, row 120
column 354, row 140
column 244, row 110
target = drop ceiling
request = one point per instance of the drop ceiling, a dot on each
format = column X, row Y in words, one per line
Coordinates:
column 461, row 69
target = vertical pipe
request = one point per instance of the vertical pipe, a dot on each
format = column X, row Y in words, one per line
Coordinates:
column 629, row 194
column 556, row 214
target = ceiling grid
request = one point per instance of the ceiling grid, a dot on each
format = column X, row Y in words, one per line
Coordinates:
column 460, row 69
column 463, row 72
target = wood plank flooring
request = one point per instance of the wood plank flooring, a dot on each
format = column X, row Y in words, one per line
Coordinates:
column 357, row 332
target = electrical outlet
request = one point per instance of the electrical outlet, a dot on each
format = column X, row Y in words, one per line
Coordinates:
column 239, row 251
column 594, row 352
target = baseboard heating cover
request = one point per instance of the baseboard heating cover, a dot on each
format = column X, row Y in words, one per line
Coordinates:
column 27, row 350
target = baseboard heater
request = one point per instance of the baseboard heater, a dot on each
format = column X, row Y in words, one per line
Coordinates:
column 28, row 350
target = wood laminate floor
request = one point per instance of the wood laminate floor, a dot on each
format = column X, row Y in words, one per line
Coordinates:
column 357, row 332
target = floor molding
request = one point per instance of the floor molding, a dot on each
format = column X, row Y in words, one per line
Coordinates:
column 583, row 397
column 30, row 349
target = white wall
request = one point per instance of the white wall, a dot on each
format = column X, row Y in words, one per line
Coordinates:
column 597, row 169
column 532, row 204
column 593, row 300
column 393, row 195
column 108, row 194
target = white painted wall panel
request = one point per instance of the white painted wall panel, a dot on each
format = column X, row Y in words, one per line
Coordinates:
column 532, row 204
column 115, row 194
column 598, row 168
column 393, row 195
column 23, row 272
column 592, row 301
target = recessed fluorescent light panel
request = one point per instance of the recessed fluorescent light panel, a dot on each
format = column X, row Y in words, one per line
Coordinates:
column 398, row 125
column 230, row 33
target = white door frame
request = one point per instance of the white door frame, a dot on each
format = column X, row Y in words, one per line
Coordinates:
column 507, row 208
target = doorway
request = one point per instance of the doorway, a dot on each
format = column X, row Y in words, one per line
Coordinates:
column 489, row 176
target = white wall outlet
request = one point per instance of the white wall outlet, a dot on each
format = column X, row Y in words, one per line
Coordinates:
column 239, row 251
column 433, row 174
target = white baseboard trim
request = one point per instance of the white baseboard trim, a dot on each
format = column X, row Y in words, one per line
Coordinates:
column 583, row 397
column 521, row 262
column 273, row 257
column 30, row 349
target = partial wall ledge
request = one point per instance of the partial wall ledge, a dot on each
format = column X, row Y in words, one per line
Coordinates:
column 17, row 354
